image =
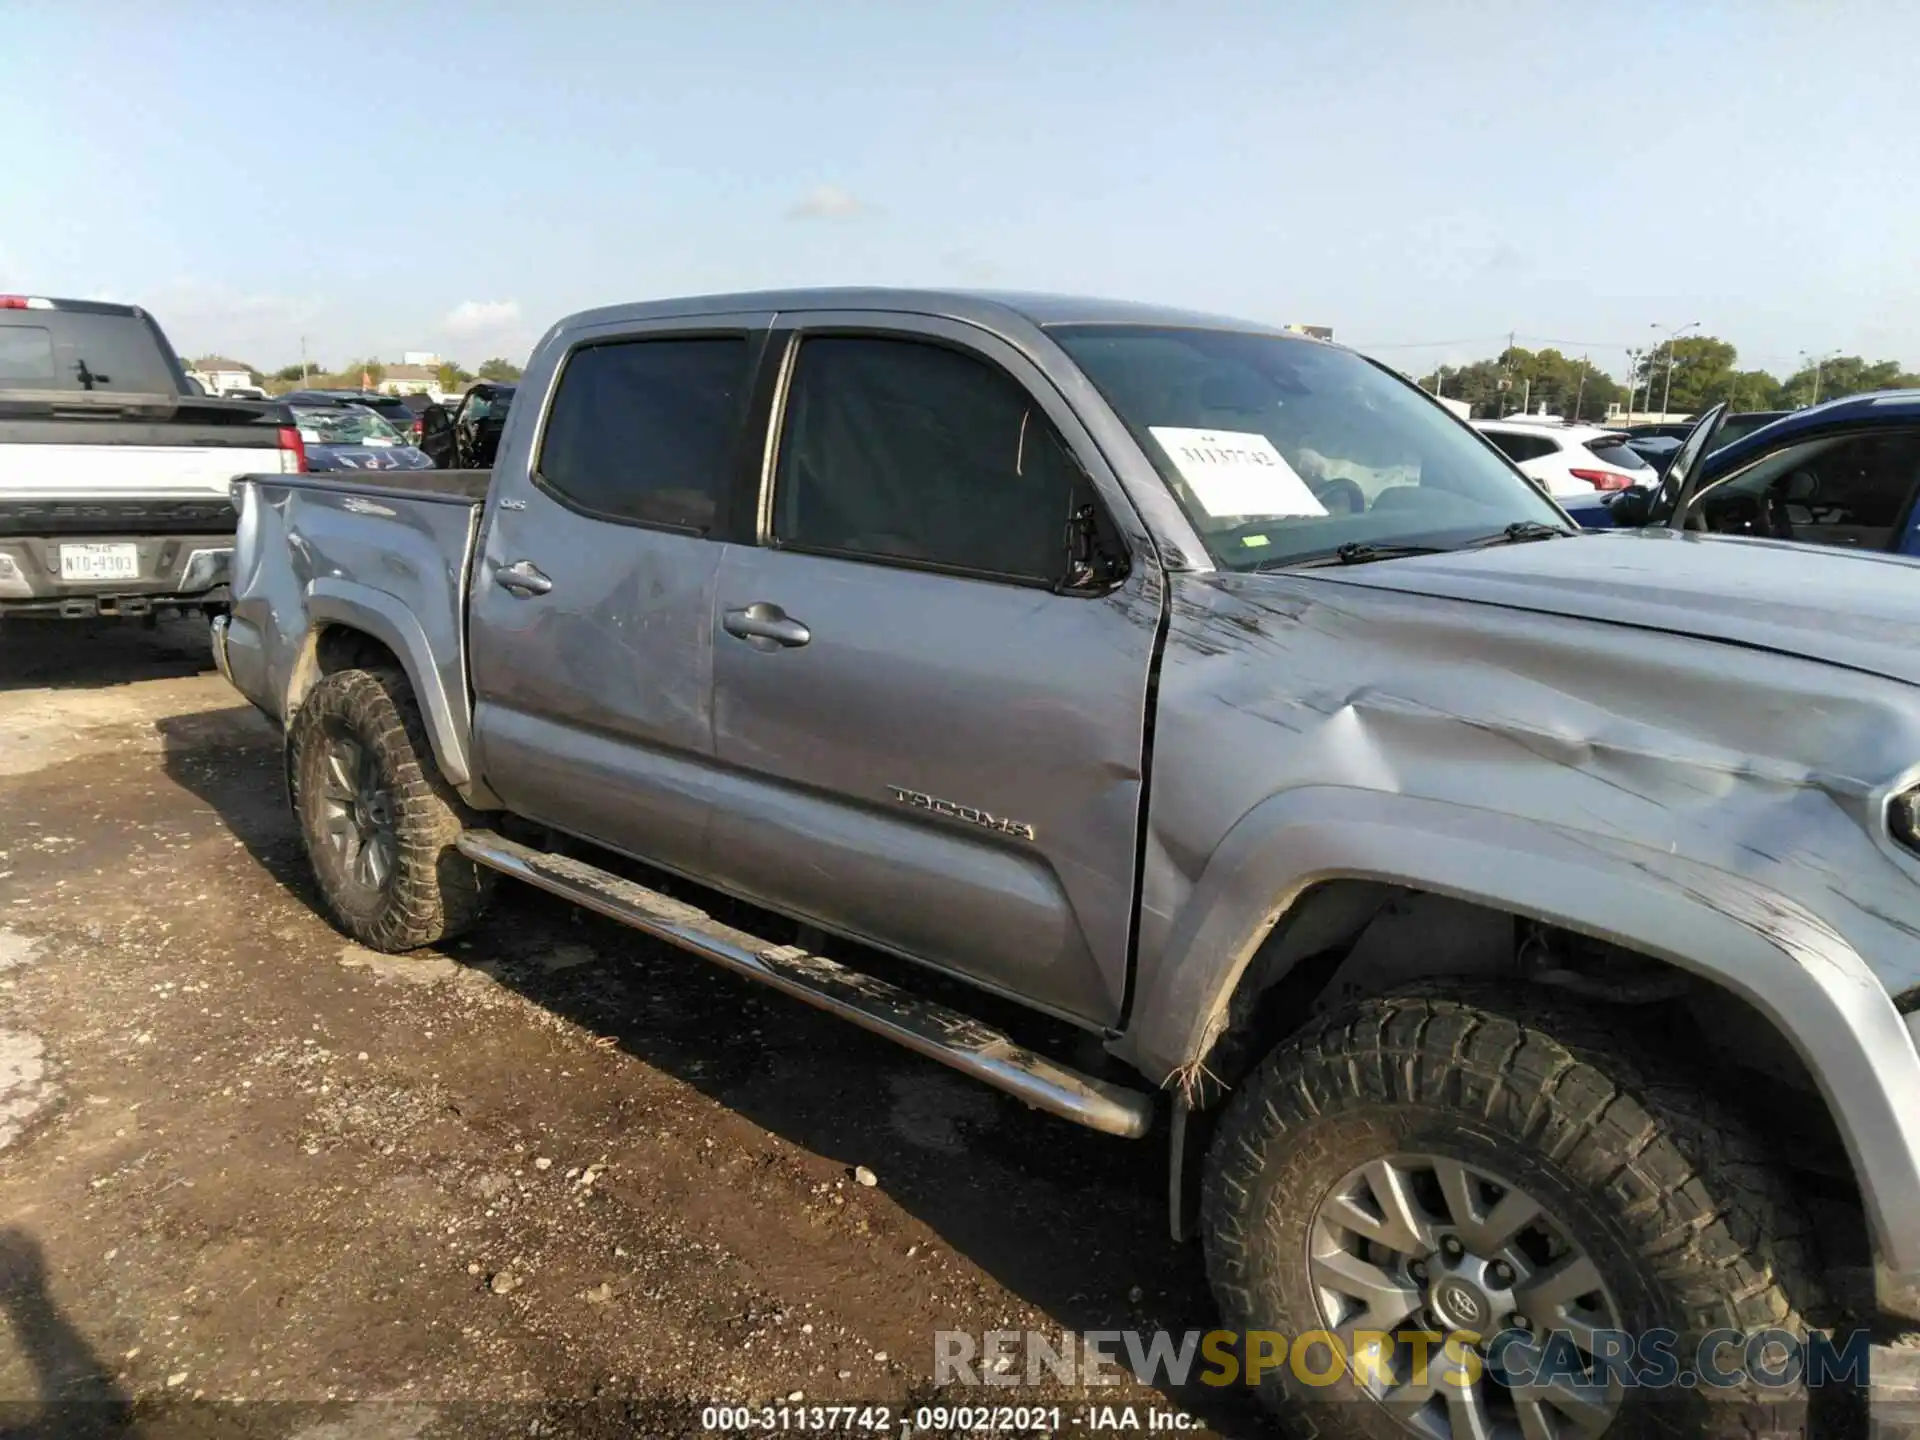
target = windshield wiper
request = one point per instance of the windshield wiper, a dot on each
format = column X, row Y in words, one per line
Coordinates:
column 1354, row 552
column 1518, row 533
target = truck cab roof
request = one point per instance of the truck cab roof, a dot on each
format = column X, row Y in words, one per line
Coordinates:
column 997, row 310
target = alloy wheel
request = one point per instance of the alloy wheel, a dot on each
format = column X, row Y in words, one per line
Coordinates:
column 1427, row 1244
column 357, row 812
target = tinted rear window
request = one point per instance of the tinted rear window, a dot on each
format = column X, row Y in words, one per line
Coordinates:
column 1520, row 447
column 1616, row 452
column 644, row 430
column 64, row 350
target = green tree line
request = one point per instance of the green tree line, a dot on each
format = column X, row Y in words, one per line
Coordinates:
column 350, row 376
column 1705, row 372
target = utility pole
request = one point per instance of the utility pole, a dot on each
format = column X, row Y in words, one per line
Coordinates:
column 303, row 362
column 1581, row 393
column 1666, row 395
column 1817, row 361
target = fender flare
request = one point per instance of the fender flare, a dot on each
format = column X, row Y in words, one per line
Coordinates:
column 1742, row 937
column 359, row 607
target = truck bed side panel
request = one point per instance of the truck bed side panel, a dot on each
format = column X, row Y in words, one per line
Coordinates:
column 387, row 561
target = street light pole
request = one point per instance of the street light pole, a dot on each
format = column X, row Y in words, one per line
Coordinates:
column 1666, row 394
column 1818, row 361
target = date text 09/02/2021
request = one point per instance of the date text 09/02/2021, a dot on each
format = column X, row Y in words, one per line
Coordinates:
column 932, row 1420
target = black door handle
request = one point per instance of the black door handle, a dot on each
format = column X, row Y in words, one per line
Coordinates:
column 765, row 626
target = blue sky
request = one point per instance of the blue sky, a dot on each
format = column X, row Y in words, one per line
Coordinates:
column 1422, row 176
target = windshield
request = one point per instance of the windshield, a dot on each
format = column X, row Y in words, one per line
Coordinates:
column 343, row 425
column 489, row 406
column 1282, row 450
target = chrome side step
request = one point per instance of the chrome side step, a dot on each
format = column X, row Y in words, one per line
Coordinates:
column 934, row 1030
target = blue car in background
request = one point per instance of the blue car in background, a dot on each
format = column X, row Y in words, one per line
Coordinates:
column 343, row 435
column 1844, row 474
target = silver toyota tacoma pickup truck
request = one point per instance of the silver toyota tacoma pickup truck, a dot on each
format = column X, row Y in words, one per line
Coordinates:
column 1507, row 930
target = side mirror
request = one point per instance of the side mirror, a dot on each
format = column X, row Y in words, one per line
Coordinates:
column 1632, row 507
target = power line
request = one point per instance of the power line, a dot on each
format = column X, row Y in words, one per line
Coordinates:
column 1584, row 344
column 1425, row 344
column 1485, row 339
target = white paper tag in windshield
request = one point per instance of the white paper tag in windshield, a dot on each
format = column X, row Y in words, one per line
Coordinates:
column 1236, row 472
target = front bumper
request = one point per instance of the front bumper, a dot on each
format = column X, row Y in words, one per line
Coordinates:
column 174, row 571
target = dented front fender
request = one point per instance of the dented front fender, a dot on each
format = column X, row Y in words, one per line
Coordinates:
column 1719, row 807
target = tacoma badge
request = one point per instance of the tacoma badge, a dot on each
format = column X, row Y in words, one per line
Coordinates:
column 921, row 801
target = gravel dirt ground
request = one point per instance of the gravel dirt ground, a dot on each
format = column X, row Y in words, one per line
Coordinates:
column 555, row 1180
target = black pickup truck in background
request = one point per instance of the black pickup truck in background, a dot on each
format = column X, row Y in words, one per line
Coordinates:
column 466, row 436
column 114, row 473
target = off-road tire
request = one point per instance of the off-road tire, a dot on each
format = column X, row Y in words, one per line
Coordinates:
column 434, row 891
column 1673, row 1198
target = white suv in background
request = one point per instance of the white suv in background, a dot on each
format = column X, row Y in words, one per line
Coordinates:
column 1570, row 460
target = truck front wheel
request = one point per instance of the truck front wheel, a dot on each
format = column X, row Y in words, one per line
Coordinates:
column 1555, row 1212
column 378, row 820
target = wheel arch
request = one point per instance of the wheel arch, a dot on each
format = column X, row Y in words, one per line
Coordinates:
column 1303, row 880
column 344, row 620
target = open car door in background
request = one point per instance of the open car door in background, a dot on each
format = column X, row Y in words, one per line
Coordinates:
column 436, row 436
column 1667, row 504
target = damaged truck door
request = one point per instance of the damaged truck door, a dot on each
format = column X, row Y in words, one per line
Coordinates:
column 959, row 735
column 594, row 586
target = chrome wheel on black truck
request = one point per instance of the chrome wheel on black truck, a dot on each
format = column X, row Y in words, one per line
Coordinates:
column 380, row 824
column 1419, row 1167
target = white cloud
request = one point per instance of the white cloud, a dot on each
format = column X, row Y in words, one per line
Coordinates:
column 478, row 318
column 828, row 202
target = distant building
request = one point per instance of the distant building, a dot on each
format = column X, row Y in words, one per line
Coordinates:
column 1317, row 332
column 420, row 357
column 410, row 378
column 218, row 373
column 1618, row 414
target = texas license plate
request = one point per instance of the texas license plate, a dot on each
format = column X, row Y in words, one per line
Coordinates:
column 99, row 562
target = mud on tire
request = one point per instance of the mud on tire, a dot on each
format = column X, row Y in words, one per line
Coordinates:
column 365, row 787
column 1670, row 1197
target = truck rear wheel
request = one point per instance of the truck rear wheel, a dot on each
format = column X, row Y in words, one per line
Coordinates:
column 378, row 820
column 1418, row 1164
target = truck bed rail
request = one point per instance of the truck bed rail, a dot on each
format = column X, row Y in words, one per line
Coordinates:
column 462, row 486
